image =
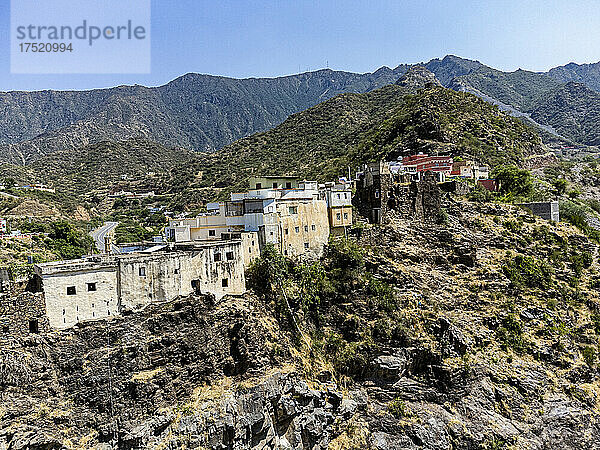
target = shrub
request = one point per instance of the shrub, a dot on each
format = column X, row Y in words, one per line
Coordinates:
column 589, row 355
column 510, row 334
column 398, row 409
column 528, row 271
column 515, row 181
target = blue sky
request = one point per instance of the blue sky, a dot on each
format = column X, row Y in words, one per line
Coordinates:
column 273, row 38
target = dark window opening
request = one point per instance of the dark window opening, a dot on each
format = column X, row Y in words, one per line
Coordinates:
column 5, row 328
column 258, row 185
column 225, row 282
column 71, row 290
column 142, row 271
column 217, row 257
column 306, row 245
column 229, row 256
column 306, row 228
column 91, row 287
column 176, row 271
column 297, row 229
column 313, row 228
column 212, row 232
column 275, row 185
column 288, row 185
column 33, row 326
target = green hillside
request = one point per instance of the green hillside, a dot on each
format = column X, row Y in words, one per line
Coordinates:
column 350, row 129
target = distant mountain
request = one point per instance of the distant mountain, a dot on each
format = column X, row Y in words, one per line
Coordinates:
column 101, row 165
column 417, row 77
column 198, row 112
column 588, row 74
column 205, row 112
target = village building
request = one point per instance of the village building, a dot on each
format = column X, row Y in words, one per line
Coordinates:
column 545, row 210
column 339, row 205
column 102, row 286
column 469, row 169
column 417, row 165
column 294, row 216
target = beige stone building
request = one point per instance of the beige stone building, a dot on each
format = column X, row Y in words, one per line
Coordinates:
column 295, row 216
column 103, row 286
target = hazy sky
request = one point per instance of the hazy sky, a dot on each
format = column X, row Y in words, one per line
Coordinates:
column 273, row 38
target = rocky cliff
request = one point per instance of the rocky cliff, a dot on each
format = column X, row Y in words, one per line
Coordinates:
column 476, row 328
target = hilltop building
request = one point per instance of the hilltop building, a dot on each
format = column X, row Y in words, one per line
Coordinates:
column 104, row 285
column 294, row 216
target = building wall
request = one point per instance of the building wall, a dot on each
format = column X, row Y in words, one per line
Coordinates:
column 18, row 311
column 307, row 231
column 340, row 216
column 65, row 310
column 135, row 280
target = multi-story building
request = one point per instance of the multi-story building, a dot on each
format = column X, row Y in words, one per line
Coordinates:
column 103, row 285
column 339, row 205
column 295, row 216
column 417, row 165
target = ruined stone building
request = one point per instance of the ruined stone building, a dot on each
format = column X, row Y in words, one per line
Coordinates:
column 295, row 216
column 379, row 192
column 104, row 285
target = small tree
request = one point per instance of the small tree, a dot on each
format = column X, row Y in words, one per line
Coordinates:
column 513, row 180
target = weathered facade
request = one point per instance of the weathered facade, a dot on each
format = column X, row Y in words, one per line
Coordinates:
column 294, row 216
column 372, row 191
column 103, row 286
column 545, row 210
column 379, row 193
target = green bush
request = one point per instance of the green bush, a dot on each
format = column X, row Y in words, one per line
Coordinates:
column 528, row 271
column 510, row 334
column 589, row 355
column 514, row 181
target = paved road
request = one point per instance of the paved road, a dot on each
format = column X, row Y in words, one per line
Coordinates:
column 99, row 234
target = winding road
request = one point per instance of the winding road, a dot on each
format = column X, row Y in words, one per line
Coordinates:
column 99, row 234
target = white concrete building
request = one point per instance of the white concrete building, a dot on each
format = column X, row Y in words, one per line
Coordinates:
column 102, row 286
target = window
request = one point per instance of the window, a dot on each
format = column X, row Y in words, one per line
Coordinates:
column 229, row 256
column 71, row 290
column 286, row 231
column 33, row 326
column 306, row 228
column 339, row 196
column 212, row 233
column 217, row 257
column 225, row 282
column 258, row 185
column 91, row 287
column 270, row 209
column 345, row 195
column 249, row 249
column 297, row 229
column 313, row 227
column 142, row 271
column 306, row 245
column 345, row 216
column 252, row 243
column 274, row 185
column 64, row 311
column 288, row 185
column 271, row 233
column 293, row 209
column 285, row 252
column 338, row 216
column 377, row 193
column 176, row 271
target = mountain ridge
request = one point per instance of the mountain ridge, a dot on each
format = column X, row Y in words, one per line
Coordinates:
column 206, row 112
